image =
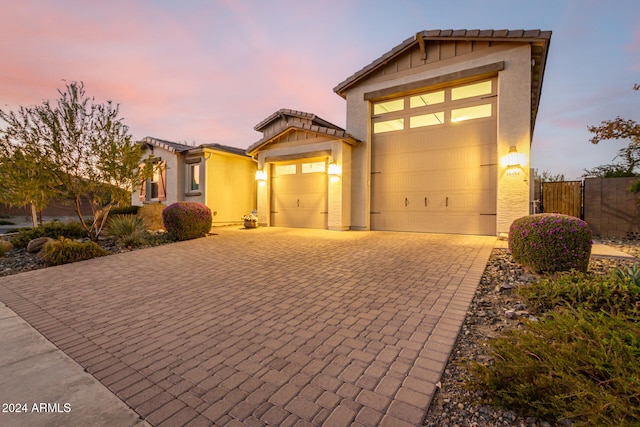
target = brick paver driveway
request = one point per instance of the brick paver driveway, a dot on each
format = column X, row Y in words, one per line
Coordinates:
column 268, row 326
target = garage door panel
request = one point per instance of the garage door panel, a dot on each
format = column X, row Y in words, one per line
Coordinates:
column 439, row 179
column 299, row 200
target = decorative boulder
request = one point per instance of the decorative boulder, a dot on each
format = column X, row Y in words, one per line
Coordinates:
column 38, row 243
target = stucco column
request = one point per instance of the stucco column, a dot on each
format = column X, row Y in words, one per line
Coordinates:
column 263, row 202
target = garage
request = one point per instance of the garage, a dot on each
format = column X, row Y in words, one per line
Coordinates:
column 434, row 160
column 299, row 194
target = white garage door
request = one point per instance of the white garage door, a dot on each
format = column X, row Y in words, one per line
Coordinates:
column 434, row 161
column 299, row 194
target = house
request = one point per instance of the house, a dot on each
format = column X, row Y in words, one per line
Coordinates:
column 438, row 139
column 221, row 177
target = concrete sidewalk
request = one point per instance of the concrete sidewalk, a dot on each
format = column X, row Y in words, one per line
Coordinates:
column 42, row 386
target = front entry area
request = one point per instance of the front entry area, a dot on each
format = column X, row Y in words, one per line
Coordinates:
column 299, row 194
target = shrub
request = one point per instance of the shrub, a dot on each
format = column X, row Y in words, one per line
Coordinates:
column 64, row 251
column 125, row 210
column 128, row 230
column 187, row 220
column 151, row 214
column 607, row 293
column 5, row 222
column 53, row 229
column 550, row 242
column 5, row 247
column 577, row 365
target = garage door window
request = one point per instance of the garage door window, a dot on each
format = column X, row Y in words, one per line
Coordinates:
column 427, row 99
column 427, row 120
column 313, row 167
column 388, row 106
column 285, row 169
column 469, row 91
column 388, row 126
column 469, row 113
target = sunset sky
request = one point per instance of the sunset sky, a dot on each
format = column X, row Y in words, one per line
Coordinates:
column 203, row 71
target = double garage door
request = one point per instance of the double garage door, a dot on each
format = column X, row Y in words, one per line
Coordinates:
column 299, row 194
column 434, row 161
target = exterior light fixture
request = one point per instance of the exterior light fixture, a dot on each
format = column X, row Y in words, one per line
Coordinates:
column 334, row 169
column 261, row 175
column 512, row 161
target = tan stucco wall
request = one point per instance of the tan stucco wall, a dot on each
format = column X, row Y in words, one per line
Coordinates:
column 514, row 104
column 230, row 186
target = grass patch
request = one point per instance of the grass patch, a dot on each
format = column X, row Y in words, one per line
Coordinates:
column 5, row 247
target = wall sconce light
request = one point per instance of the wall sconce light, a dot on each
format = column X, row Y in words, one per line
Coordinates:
column 513, row 161
column 261, row 175
column 334, row 169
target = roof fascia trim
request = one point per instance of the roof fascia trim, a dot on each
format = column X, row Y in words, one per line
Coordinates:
column 471, row 73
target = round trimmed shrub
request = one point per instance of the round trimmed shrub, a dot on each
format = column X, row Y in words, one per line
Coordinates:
column 547, row 243
column 186, row 220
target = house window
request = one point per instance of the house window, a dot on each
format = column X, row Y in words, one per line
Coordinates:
column 154, row 188
column 193, row 178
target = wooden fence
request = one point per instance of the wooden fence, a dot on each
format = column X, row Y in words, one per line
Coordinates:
column 564, row 197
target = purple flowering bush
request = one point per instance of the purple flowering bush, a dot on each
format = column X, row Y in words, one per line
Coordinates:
column 186, row 220
column 547, row 243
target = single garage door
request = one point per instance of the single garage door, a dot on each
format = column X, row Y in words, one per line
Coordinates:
column 299, row 194
column 434, row 161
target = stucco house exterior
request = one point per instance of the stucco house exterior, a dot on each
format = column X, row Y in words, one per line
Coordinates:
column 438, row 139
column 221, row 177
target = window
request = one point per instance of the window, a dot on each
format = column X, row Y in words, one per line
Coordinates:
column 285, row 170
column 468, row 113
column 388, row 106
column 427, row 120
column 154, row 188
column 388, row 126
column 469, row 91
column 426, row 99
column 193, row 178
column 313, row 167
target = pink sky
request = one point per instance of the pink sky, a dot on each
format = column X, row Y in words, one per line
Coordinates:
column 202, row 71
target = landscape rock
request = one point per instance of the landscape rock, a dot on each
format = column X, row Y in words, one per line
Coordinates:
column 37, row 244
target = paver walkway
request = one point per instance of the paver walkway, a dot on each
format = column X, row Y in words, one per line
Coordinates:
column 268, row 326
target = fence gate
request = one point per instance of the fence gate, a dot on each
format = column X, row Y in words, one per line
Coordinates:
column 564, row 197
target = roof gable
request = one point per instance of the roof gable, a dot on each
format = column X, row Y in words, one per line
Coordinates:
column 287, row 115
column 287, row 129
column 176, row 147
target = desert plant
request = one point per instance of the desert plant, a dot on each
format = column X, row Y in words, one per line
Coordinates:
column 53, row 229
column 128, row 230
column 601, row 293
column 151, row 214
column 576, row 364
column 5, row 247
column 550, row 242
column 64, row 251
column 631, row 274
column 186, row 220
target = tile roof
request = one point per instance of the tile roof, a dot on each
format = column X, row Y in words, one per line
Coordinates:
column 294, row 113
column 334, row 132
column 176, row 147
column 480, row 35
